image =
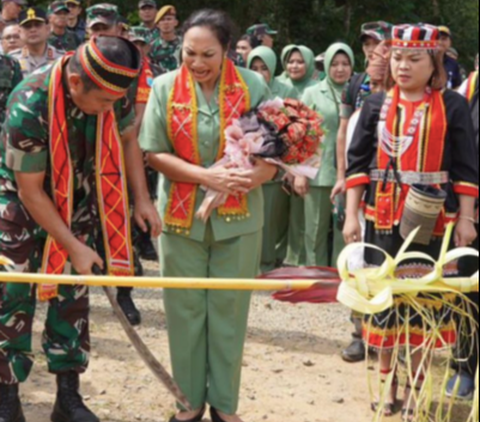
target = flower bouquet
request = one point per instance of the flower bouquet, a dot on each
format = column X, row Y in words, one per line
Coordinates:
column 285, row 133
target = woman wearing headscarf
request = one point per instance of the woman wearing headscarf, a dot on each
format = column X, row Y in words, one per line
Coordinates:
column 277, row 203
column 299, row 65
column 325, row 98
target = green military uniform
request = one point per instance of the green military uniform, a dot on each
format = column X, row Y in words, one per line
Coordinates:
column 25, row 148
column 10, row 77
column 66, row 42
column 166, row 54
column 30, row 64
column 277, row 201
column 324, row 98
column 152, row 35
column 296, row 254
column 206, row 328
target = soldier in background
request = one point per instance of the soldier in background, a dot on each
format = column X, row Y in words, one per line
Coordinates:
column 263, row 34
column 75, row 22
column 103, row 19
column 35, row 32
column 11, row 10
column 61, row 38
column 11, row 39
column 147, row 10
column 10, row 77
column 166, row 49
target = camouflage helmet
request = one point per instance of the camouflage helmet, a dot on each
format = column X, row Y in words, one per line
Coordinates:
column 139, row 34
column 380, row 31
column 260, row 30
column 57, row 7
column 105, row 13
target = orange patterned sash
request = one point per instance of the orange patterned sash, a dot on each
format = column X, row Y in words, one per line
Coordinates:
column 111, row 188
column 234, row 101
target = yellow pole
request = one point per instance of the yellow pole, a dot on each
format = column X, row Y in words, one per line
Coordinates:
column 157, row 282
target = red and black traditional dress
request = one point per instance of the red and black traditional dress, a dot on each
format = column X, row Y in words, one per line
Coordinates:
column 397, row 144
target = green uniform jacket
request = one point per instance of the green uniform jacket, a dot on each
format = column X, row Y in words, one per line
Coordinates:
column 154, row 138
column 325, row 98
column 10, row 77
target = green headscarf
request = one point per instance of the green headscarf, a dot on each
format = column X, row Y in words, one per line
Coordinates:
column 285, row 53
column 268, row 56
column 330, row 54
column 309, row 58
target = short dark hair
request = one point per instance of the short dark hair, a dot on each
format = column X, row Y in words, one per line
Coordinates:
column 217, row 21
column 253, row 41
column 114, row 49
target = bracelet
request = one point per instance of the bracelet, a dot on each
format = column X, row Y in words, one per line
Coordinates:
column 467, row 218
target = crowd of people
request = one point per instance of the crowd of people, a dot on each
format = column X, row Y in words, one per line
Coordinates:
column 101, row 120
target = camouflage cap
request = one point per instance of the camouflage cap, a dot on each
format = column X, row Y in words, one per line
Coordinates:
column 380, row 31
column 75, row 2
column 57, row 7
column 147, row 3
column 32, row 14
column 105, row 13
column 261, row 30
column 139, row 34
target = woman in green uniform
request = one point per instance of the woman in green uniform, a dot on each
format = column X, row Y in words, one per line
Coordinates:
column 299, row 65
column 263, row 60
column 325, row 98
column 183, row 133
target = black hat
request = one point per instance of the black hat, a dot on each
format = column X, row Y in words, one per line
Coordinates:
column 32, row 14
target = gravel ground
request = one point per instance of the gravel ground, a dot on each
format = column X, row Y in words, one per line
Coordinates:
column 292, row 368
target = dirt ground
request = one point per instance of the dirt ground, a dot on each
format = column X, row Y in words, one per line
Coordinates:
column 292, row 367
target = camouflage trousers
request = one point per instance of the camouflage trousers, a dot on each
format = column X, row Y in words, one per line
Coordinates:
column 66, row 339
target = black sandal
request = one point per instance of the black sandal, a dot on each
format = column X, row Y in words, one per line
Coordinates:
column 215, row 416
column 197, row 418
column 389, row 408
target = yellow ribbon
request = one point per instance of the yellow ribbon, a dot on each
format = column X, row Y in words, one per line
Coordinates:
column 372, row 290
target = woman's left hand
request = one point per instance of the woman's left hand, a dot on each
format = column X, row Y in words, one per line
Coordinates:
column 465, row 233
column 146, row 213
column 262, row 173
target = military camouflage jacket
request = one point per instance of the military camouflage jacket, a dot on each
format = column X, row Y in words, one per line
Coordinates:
column 25, row 145
column 153, row 35
column 166, row 54
column 10, row 77
column 66, row 42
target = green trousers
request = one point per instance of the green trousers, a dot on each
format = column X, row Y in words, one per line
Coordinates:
column 275, row 230
column 318, row 222
column 207, row 329
column 296, row 253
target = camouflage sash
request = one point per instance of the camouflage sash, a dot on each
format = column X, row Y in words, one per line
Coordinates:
column 234, row 101
column 111, row 187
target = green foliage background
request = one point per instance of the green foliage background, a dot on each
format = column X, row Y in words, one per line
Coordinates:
column 318, row 23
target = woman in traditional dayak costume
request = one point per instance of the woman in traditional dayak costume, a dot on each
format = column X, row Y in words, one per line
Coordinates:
column 184, row 132
column 414, row 153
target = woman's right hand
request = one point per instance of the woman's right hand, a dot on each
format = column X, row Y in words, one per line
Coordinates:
column 226, row 180
column 84, row 258
column 352, row 231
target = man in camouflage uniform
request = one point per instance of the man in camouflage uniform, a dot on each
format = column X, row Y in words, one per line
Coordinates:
column 35, row 32
column 11, row 10
column 10, row 77
column 166, row 50
column 25, row 171
column 61, row 37
column 75, row 22
column 147, row 10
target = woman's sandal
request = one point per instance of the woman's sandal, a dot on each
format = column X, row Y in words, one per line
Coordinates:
column 388, row 408
column 409, row 415
column 197, row 418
